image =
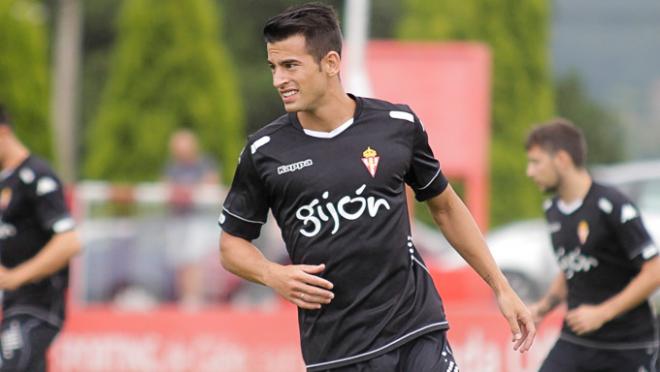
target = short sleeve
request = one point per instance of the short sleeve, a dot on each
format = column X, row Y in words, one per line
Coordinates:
column 246, row 207
column 50, row 206
column 624, row 218
column 424, row 175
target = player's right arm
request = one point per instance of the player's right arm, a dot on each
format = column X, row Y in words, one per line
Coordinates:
column 555, row 296
column 299, row 284
column 244, row 212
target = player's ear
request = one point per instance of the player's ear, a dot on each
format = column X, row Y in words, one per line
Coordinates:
column 331, row 63
column 564, row 158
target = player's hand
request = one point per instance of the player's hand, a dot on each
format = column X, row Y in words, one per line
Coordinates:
column 586, row 318
column 301, row 285
column 9, row 279
column 519, row 318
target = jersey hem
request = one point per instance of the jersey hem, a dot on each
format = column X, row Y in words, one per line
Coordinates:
column 379, row 351
column 609, row 345
column 35, row 313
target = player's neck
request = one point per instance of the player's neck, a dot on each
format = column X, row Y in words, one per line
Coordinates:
column 15, row 156
column 335, row 109
column 574, row 186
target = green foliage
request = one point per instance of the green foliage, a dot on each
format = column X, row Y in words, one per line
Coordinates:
column 601, row 127
column 168, row 70
column 99, row 19
column 517, row 33
column 24, row 75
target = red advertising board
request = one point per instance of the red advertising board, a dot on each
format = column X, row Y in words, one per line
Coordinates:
column 448, row 86
column 226, row 340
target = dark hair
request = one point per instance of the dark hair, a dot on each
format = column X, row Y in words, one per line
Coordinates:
column 316, row 22
column 559, row 134
column 4, row 116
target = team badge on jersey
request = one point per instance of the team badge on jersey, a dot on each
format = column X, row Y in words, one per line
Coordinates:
column 5, row 198
column 370, row 159
column 583, row 231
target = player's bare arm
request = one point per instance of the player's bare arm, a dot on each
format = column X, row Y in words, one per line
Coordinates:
column 555, row 296
column 589, row 318
column 458, row 226
column 299, row 284
column 53, row 257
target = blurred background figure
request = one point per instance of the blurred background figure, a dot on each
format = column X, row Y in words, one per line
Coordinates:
column 188, row 241
column 187, row 166
column 38, row 238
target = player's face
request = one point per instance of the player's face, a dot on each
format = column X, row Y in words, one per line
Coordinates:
column 298, row 78
column 542, row 169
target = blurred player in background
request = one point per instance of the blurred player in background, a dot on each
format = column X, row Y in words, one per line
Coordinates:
column 188, row 241
column 333, row 171
column 37, row 241
column 609, row 264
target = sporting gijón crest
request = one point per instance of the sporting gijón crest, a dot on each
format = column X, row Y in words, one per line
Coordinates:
column 370, row 159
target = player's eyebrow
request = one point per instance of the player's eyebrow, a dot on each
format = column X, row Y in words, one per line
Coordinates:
column 284, row 61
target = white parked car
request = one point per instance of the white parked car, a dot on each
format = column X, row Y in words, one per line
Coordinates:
column 524, row 254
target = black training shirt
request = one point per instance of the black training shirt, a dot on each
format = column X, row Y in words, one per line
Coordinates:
column 32, row 210
column 601, row 244
column 339, row 199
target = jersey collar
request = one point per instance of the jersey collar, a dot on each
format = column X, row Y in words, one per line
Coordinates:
column 570, row 208
column 6, row 173
column 335, row 132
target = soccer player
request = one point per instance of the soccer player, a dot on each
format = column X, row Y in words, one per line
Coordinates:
column 37, row 240
column 333, row 171
column 609, row 264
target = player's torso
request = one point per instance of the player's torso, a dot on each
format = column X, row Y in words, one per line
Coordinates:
column 333, row 188
column 588, row 253
column 20, row 234
column 596, row 265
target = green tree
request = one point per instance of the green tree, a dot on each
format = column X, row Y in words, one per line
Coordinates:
column 24, row 75
column 517, row 33
column 601, row 127
column 168, row 70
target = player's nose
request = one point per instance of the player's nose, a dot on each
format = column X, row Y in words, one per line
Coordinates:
column 279, row 78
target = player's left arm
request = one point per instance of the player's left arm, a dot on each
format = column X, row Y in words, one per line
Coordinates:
column 53, row 257
column 460, row 229
column 51, row 213
column 588, row 318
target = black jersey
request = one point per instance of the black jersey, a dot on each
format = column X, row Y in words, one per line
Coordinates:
column 601, row 245
column 339, row 199
column 32, row 210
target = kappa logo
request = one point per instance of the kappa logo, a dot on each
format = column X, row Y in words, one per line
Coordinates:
column 294, row 166
column 628, row 212
column 46, row 185
column 370, row 160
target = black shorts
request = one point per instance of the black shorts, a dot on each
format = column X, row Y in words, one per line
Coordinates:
column 24, row 341
column 569, row 357
column 427, row 353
